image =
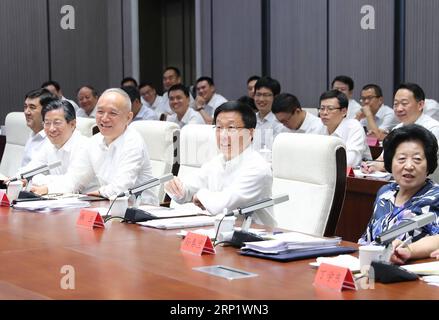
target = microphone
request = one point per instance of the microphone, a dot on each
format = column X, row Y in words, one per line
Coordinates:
column 239, row 237
column 260, row 204
column 28, row 175
column 134, row 214
column 411, row 224
column 147, row 185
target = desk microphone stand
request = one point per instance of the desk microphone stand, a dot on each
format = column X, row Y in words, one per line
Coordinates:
column 239, row 237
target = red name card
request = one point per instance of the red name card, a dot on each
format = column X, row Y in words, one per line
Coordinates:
column 372, row 141
column 350, row 172
column 90, row 219
column 334, row 277
column 4, row 201
column 197, row 244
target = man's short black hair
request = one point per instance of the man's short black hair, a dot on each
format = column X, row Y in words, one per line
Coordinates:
column 132, row 92
column 346, row 80
column 55, row 104
column 341, row 97
column 266, row 82
column 411, row 132
column 247, row 114
column 252, row 78
column 181, row 87
column 285, row 102
column 51, row 83
column 375, row 87
column 128, row 79
column 208, row 79
column 175, row 69
column 417, row 91
column 43, row 94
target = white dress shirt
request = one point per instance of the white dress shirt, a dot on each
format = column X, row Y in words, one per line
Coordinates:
column 354, row 137
column 67, row 154
column 353, row 108
column 266, row 130
column 145, row 113
column 311, row 124
column 159, row 106
column 35, row 142
column 81, row 113
column 231, row 184
column 167, row 106
column 431, row 108
column 214, row 103
column 119, row 166
column 191, row 116
column 428, row 123
column 384, row 118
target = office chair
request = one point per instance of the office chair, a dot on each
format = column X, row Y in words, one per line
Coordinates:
column 197, row 146
column 312, row 170
column 85, row 125
column 161, row 139
column 17, row 133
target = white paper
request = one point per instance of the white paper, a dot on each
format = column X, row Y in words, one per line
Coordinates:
column 49, row 205
column 428, row 268
column 377, row 174
column 178, row 223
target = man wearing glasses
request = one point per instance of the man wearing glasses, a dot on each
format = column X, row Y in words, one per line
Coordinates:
column 376, row 117
column 287, row 109
column 333, row 109
column 237, row 176
column 345, row 84
column 116, row 156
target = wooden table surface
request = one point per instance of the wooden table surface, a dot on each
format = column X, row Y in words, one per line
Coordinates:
column 125, row 261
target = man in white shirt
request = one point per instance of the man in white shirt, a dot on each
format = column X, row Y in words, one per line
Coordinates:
column 116, row 156
column 237, row 176
column 87, row 97
column 431, row 108
column 378, row 118
column 408, row 105
column 287, row 109
column 251, row 81
column 345, row 84
column 333, row 110
column 151, row 99
column 32, row 111
column 207, row 99
column 267, row 126
column 55, row 89
column 59, row 121
column 140, row 112
column 179, row 101
column 171, row 77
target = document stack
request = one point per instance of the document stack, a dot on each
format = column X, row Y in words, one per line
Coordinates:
column 294, row 246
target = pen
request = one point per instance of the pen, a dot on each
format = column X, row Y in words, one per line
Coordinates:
column 404, row 243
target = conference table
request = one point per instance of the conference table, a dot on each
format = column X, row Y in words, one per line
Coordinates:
column 127, row 261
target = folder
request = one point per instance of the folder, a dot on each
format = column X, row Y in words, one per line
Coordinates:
column 300, row 254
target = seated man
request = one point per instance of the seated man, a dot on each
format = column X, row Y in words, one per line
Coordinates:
column 236, row 177
column 87, row 97
column 151, row 99
column 345, row 84
column 55, row 89
column 32, row 111
column 333, row 110
column 410, row 154
column 140, row 112
column 378, row 118
column 207, row 99
column 267, row 127
column 287, row 109
column 408, row 106
column 179, row 101
column 116, row 156
column 59, row 121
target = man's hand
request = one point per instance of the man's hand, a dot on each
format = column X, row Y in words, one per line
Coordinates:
column 175, row 188
column 94, row 193
column 197, row 202
column 199, row 102
column 40, row 190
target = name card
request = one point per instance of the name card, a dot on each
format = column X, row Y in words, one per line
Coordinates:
column 350, row 172
column 4, row 201
column 197, row 244
column 90, row 219
column 334, row 277
column 372, row 141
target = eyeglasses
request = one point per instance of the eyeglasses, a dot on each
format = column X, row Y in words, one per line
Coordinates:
column 366, row 99
column 56, row 123
column 265, row 95
column 328, row 108
column 228, row 130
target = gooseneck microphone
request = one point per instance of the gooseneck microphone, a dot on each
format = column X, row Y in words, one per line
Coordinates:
column 33, row 172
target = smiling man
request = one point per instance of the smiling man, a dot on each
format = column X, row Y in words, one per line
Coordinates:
column 179, row 99
column 333, row 109
column 207, row 99
column 237, row 176
column 87, row 98
column 117, row 156
column 287, row 109
column 59, row 122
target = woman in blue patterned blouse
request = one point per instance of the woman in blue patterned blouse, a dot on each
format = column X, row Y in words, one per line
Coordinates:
column 410, row 154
